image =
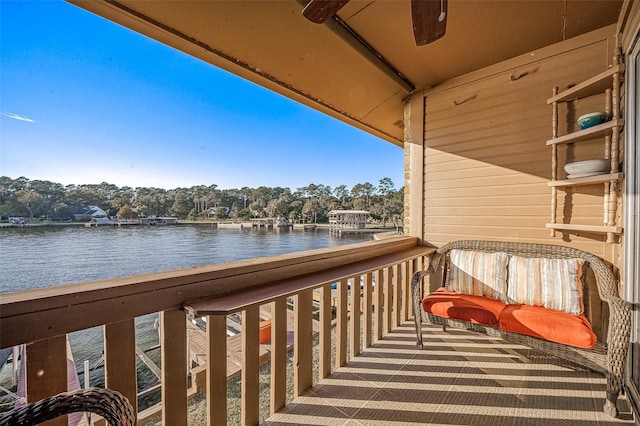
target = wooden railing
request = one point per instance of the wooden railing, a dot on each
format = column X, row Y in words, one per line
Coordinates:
column 382, row 269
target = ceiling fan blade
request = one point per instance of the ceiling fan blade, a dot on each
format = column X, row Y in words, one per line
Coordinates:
column 429, row 20
column 319, row 11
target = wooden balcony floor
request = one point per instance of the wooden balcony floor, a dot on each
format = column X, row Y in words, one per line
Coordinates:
column 459, row 378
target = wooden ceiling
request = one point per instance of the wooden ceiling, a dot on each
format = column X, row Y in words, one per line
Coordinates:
column 326, row 68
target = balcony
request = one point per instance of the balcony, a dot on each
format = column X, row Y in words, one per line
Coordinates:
column 350, row 366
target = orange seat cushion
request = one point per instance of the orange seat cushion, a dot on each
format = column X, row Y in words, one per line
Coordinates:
column 465, row 307
column 548, row 324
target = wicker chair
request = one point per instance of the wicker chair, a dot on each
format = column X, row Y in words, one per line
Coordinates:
column 109, row 404
column 608, row 358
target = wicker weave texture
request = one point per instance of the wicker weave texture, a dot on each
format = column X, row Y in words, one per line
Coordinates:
column 109, row 404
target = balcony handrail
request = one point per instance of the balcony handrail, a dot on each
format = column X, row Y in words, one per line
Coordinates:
column 56, row 311
column 42, row 318
column 260, row 295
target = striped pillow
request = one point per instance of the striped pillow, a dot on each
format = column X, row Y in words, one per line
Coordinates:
column 552, row 283
column 479, row 274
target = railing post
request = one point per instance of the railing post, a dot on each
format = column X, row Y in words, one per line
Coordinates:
column 250, row 381
column 174, row 367
column 216, row 370
column 303, row 335
column 398, row 282
column 378, row 302
column 278, row 354
column 403, row 291
column 388, row 289
column 341, row 327
column 120, row 371
column 367, row 311
column 355, row 316
column 46, row 371
column 325, row 331
column 406, row 292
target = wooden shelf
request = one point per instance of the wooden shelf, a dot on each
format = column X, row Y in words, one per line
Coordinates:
column 588, row 134
column 599, row 229
column 608, row 133
column 588, row 180
column 594, row 85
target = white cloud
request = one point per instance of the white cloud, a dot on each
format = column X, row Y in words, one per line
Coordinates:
column 17, row 117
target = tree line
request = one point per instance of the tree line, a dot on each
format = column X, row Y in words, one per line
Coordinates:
column 309, row 204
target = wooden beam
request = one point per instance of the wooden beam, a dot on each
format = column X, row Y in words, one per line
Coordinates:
column 414, row 143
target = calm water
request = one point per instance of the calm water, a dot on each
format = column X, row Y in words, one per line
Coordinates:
column 49, row 256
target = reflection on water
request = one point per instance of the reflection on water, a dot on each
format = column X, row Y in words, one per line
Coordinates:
column 48, row 256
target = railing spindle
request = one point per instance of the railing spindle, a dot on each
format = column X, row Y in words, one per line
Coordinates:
column 46, row 371
column 251, row 365
column 325, row 331
column 397, row 296
column 303, row 335
column 278, row 354
column 355, row 316
column 120, row 371
column 341, row 327
column 388, row 291
column 216, row 370
column 367, row 310
column 174, row 367
column 378, row 294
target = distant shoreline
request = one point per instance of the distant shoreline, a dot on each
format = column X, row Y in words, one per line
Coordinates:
column 37, row 223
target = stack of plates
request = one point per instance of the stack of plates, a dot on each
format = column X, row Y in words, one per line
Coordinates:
column 587, row 168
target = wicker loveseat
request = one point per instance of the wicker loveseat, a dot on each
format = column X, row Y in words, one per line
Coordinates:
column 497, row 311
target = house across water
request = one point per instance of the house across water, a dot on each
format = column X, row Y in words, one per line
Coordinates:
column 347, row 219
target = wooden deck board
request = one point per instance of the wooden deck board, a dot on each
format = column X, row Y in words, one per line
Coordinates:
column 460, row 377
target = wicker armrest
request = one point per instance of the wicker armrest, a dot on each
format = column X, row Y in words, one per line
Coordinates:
column 109, row 404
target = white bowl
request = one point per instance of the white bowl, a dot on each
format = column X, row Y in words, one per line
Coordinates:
column 588, row 166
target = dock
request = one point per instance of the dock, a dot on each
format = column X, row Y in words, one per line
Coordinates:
column 197, row 342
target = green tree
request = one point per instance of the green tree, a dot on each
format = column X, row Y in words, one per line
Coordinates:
column 126, row 212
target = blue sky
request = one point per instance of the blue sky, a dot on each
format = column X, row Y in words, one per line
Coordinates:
column 86, row 101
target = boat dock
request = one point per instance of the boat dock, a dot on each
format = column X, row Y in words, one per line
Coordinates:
column 197, row 342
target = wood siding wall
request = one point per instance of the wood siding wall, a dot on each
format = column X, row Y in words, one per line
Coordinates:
column 486, row 163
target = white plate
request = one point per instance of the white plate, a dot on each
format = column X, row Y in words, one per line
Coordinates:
column 588, row 166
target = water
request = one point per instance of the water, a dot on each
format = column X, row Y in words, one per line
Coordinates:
column 48, row 256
